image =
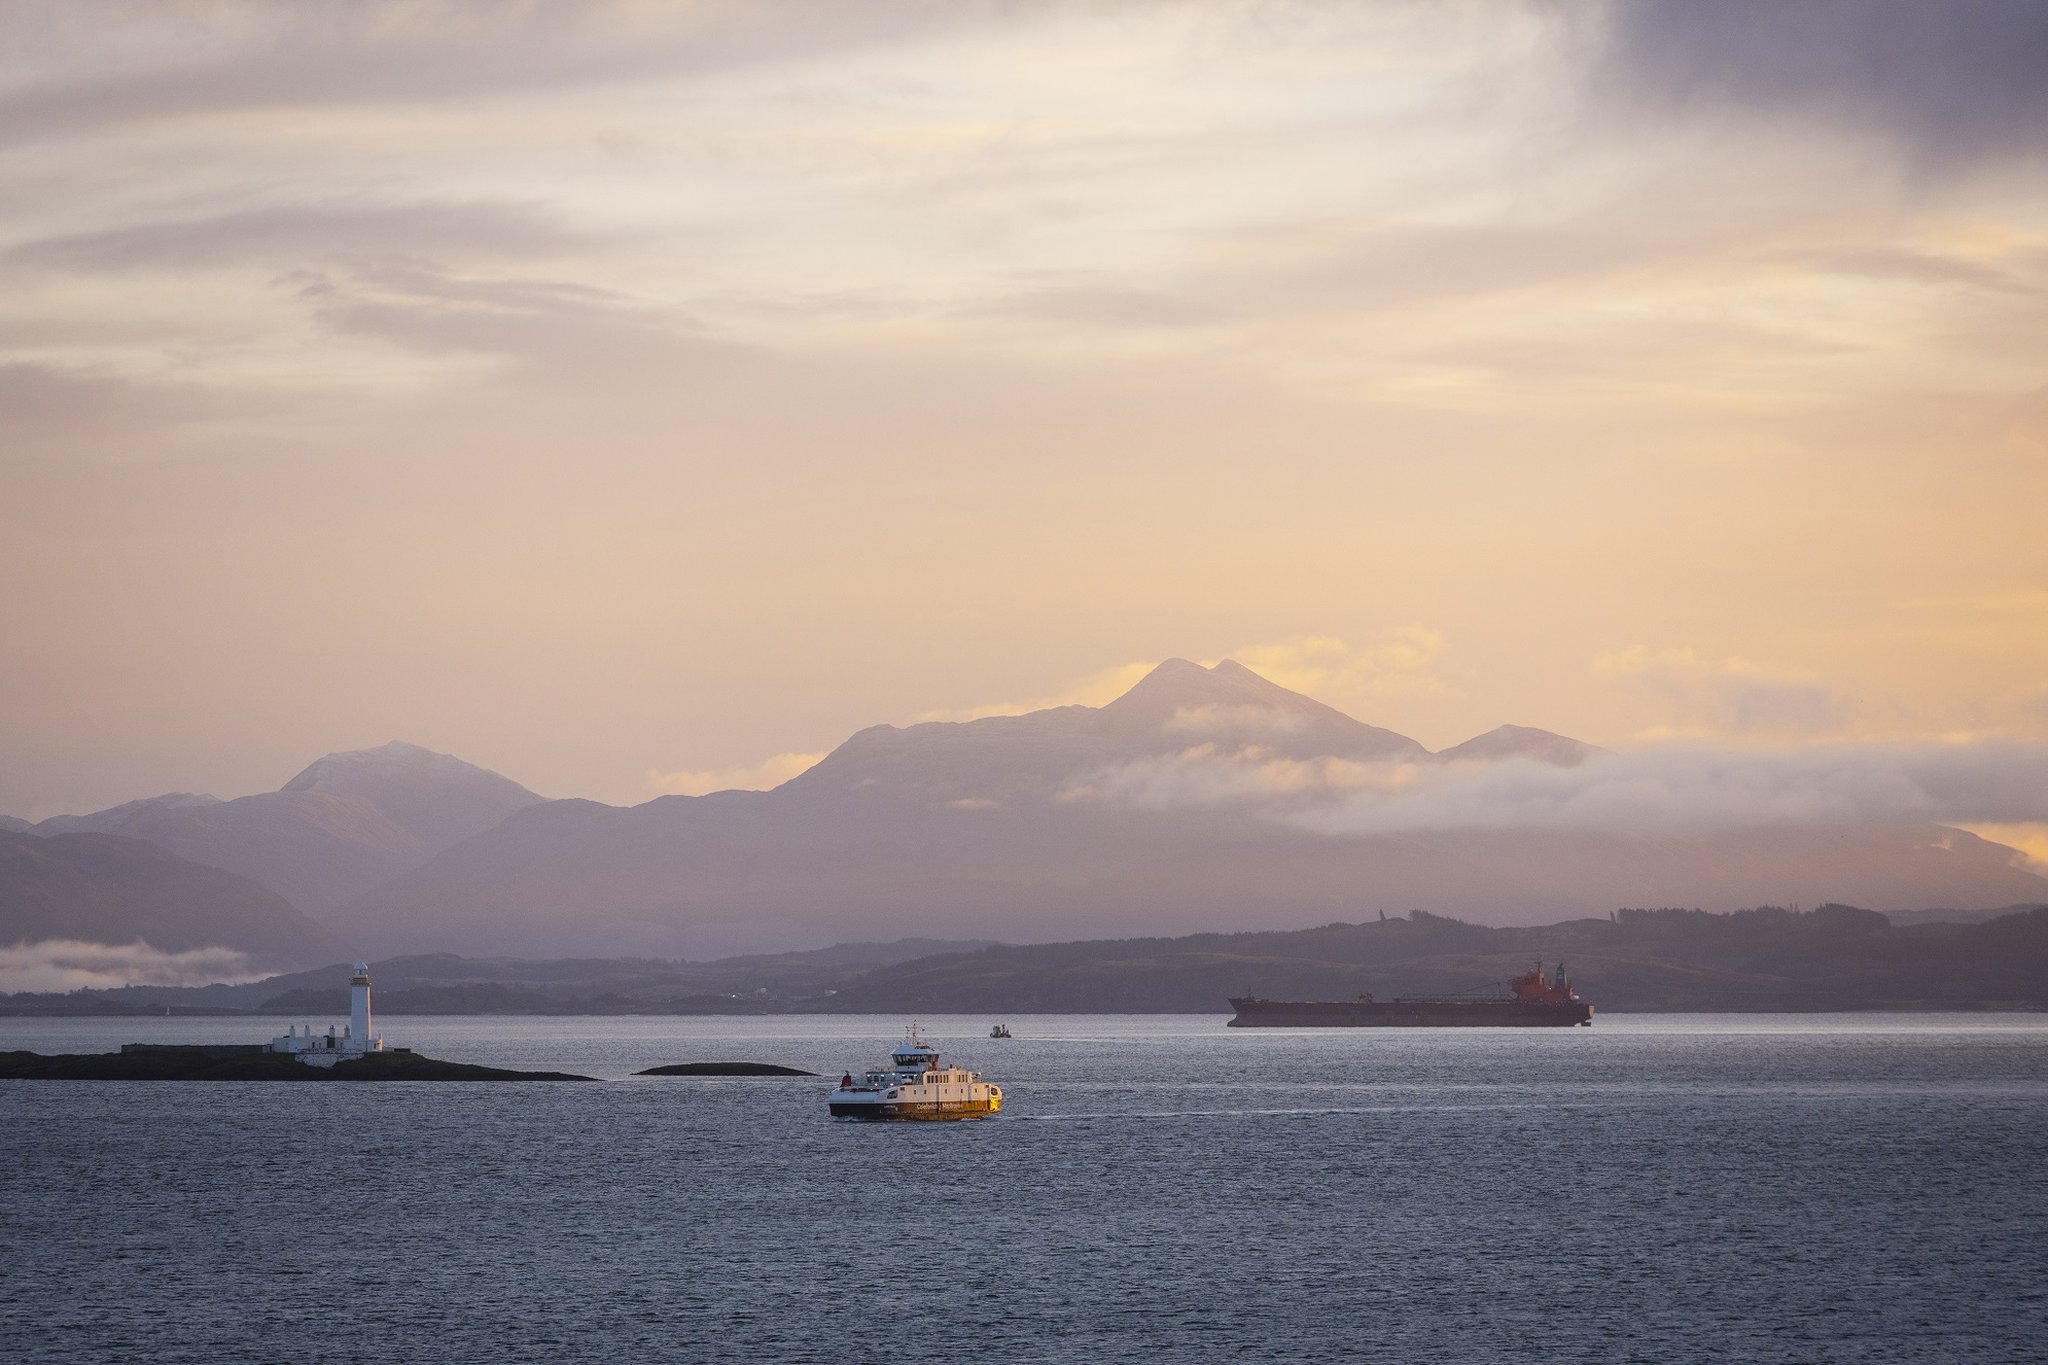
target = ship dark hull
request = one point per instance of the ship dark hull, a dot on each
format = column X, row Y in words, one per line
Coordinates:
column 1407, row 1014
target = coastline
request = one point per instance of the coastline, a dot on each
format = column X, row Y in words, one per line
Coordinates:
column 201, row 1063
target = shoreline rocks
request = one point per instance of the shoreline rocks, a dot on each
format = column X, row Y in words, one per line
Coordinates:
column 203, row 1064
column 723, row 1069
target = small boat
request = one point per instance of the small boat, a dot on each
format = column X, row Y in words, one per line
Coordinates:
column 915, row 1086
column 999, row 1031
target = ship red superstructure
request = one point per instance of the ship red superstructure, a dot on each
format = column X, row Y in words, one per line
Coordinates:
column 1531, row 986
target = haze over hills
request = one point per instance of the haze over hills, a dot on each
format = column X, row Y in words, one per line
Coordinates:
column 1202, row 799
column 107, row 889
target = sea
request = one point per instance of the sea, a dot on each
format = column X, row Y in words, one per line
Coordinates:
column 1656, row 1188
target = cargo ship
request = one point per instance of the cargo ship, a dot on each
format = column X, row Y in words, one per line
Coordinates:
column 1534, row 1003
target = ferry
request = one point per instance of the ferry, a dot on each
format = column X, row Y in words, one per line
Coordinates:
column 914, row 1086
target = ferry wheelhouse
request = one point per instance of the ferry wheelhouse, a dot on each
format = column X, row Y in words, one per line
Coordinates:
column 915, row 1086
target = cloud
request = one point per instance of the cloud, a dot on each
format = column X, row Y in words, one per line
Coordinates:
column 1922, row 267
column 70, row 965
column 255, row 57
column 1096, row 689
column 298, row 233
column 1371, row 263
column 556, row 330
column 1217, row 775
column 1665, row 789
column 2030, row 838
column 1952, row 84
column 1727, row 696
column 1695, row 788
column 1319, row 665
column 769, row 772
column 1402, row 664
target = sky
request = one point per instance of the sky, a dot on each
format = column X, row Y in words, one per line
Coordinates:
column 641, row 398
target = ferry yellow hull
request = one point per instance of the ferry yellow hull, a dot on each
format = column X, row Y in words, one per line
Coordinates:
column 898, row 1111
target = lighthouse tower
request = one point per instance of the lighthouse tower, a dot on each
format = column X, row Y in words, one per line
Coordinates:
column 359, row 1010
column 340, row 1043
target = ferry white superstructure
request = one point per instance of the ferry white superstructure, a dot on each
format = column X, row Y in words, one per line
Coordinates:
column 352, row 1039
column 914, row 1086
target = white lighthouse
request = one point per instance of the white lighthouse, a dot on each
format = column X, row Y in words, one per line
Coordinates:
column 337, row 1044
column 359, row 1006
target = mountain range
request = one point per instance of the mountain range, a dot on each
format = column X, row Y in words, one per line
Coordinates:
column 346, row 824
column 1190, row 803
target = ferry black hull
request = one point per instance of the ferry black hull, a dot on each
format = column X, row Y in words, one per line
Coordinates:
column 1408, row 1014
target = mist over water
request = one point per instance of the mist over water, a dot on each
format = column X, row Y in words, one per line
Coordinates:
column 1816, row 1188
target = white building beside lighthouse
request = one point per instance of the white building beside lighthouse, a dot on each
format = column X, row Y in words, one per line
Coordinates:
column 341, row 1043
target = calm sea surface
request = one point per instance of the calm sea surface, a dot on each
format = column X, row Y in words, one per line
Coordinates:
column 1859, row 1188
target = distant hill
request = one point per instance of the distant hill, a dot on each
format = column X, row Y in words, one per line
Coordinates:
column 105, row 888
column 347, row 823
column 110, row 820
column 1833, row 958
column 1521, row 741
column 1910, row 917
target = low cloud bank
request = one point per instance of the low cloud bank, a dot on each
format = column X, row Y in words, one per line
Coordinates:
column 69, row 965
column 1666, row 788
column 769, row 773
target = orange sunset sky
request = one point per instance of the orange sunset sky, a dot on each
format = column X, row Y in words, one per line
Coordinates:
column 639, row 398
